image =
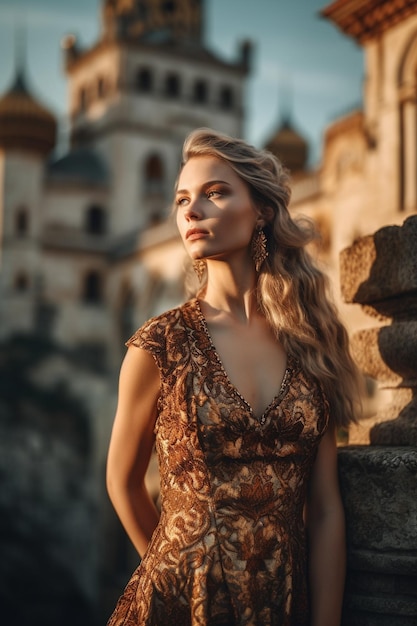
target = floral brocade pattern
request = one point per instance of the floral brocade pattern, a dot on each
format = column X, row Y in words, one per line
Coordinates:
column 230, row 547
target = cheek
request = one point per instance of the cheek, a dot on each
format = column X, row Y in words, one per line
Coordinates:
column 180, row 223
column 243, row 222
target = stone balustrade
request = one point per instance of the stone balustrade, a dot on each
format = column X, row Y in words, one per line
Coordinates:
column 379, row 481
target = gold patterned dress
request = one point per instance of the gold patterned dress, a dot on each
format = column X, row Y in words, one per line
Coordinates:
column 230, row 546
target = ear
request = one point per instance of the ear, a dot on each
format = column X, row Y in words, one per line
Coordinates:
column 266, row 216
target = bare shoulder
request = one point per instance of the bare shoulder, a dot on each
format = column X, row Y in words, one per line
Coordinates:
column 139, row 372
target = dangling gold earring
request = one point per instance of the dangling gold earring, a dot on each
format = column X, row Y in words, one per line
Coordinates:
column 258, row 247
column 199, row 267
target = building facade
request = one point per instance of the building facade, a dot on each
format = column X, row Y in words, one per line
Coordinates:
column 87, row 248
column 368, row 173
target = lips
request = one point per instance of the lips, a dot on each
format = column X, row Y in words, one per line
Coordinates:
column 195, row 233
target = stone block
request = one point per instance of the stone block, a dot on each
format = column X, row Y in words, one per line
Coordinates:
column 380, row 270
column 378, row 486
column 388, row 353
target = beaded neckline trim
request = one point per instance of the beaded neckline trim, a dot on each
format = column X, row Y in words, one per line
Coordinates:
column 276, row 399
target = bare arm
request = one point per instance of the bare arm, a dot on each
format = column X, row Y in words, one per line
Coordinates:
column 131, row 446
column 326, row 524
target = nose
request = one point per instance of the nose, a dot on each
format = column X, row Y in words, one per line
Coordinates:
column 193, row 210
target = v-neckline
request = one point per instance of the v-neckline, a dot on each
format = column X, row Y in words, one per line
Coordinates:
column 278, row 396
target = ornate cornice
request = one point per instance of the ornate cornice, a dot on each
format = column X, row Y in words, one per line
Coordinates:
column 74, row 58
column 364, row 20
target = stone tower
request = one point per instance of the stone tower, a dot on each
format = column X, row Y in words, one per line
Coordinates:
column 27, row 136
column 136, row 93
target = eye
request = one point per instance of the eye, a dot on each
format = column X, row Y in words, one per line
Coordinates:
column 181, row 201
column 214, row 193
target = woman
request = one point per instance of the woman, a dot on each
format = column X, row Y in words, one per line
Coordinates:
column 242, row 388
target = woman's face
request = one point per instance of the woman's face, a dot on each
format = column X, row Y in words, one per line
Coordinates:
column 215, row 214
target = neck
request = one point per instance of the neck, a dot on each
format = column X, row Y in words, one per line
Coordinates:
column 231, row 290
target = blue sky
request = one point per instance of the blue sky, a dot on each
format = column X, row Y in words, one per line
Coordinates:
column 301, row 61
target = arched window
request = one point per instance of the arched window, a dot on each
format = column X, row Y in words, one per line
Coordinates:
column 127, row 312
column 407, row 99
column 172, row 86
column 144, row 80
column 22, row 222
column 154, row 176
column 21, row 282
column 101, row 88
column 226, row 99
column 200, row 92
column 83, row 99
column 96, row 220
column 168, row 7
column 92, row 288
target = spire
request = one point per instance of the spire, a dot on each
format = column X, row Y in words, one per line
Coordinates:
column 20, row 53
column 286, row 143
column 285, row 93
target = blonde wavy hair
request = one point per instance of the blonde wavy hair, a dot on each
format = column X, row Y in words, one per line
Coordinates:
column 292, row 292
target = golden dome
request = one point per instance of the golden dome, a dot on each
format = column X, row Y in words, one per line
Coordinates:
column 289, row 146
column 24, row 123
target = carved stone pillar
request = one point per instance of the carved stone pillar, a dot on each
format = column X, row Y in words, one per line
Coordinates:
column 379, row 481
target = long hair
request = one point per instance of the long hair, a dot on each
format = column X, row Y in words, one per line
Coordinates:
column 292, row 292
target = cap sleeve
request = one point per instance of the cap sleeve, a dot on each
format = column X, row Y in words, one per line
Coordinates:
column 150, row 338
column 158, row 336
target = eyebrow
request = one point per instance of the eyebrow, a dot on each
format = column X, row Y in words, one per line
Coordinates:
column 209, row 183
